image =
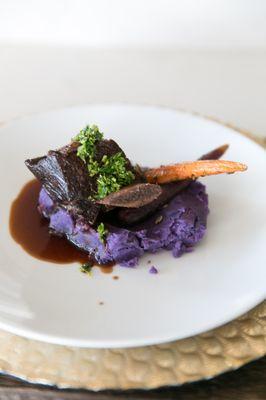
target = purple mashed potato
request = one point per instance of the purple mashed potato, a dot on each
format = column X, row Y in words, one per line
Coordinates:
column 178, row 227
column 153, row 270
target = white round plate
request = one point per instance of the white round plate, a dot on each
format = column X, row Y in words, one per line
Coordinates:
column 223, row 278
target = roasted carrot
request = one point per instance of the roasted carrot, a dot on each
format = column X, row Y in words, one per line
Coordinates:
column 192, row 170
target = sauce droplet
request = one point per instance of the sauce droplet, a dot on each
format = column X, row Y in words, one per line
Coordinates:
column 106, row 269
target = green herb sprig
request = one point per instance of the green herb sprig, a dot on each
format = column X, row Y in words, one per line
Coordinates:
column 102, row 231
column 86, row 268
column 111, row 172
column 87, row 138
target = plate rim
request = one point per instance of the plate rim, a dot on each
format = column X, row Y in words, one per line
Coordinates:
column 123, row 344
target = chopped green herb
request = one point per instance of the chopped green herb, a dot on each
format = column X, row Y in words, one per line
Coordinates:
column 102, row 232
column 93, row 167
column 111, row 172
column 106, row 185
column 87, row 138
column 113, row 175
column 86, row 268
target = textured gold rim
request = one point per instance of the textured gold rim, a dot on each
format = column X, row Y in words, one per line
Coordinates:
column 199, row 357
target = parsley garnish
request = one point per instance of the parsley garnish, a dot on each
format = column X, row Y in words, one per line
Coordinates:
column 112, row 175
column 86, row 268
column 87, row 138
column 111, row 172
column 102, row 232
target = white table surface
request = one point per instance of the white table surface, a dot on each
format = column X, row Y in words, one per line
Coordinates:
column 229, row 85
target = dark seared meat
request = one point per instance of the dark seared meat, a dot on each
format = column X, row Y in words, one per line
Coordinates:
column 66, row 180
column 63, row 175
column 110, row 148
column 169, row 190
column 132, row 196
column 85, row 208
column 129, row 216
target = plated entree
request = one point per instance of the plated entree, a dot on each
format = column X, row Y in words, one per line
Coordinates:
column 116, row 211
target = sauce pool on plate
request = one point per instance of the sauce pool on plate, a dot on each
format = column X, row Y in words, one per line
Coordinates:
column 30, row 230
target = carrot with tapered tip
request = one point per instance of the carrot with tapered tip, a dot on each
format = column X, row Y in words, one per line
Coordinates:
column 192, row 170
column 169, row 190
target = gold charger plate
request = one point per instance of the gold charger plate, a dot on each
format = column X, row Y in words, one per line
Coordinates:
column 199, row 357
column 175, row 363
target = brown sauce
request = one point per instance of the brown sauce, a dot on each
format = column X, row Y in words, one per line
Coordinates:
column 30, row 230
column 106, row 269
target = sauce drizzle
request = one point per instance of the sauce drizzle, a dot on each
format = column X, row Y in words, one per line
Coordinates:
column 30, row 230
